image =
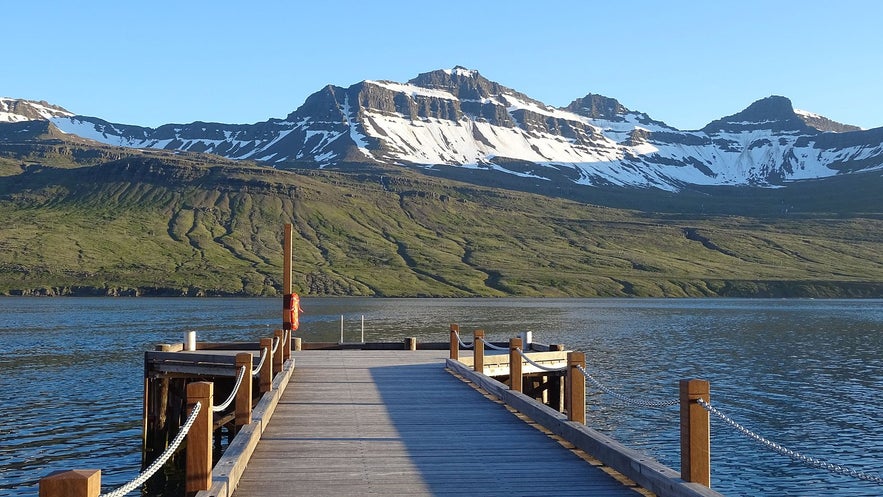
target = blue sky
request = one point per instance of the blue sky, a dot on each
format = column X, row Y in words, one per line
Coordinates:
column 685, row 63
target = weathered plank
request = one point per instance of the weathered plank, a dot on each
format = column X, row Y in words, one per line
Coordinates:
column 395, row 423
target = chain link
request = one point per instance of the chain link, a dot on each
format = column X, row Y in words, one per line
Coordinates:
column 628, row 400
column 797, row 456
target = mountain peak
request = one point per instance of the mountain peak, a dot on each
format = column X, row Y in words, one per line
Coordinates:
column 598, row 107
column 771, row 113
column 16, row 110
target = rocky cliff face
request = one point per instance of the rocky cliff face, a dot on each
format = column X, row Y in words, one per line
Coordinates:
column 457, row 118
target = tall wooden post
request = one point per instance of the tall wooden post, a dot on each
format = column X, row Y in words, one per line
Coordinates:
column 75, row 483
column 286, row 277
column 243, row 395
column 279, row 356
column 478, row 351
column 266, row 373
column 198, row 473
column 515, row 378
column 695, row 432
column 455, row 343
column 575, row 387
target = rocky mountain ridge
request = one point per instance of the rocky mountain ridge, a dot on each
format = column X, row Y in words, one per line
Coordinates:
column 456, row 120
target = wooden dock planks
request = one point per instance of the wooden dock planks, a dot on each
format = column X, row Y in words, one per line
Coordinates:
column 395, row 423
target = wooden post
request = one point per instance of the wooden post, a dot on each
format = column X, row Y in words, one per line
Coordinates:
column 278, row 357
column 75, row 483
column 455, row 344
column 411, row 343
column 198, row 473
column 695, row 432
column 243, row 395
column 286, row 277
column 478, row 351
column 286, row 350
column 515, row 378
column 575, row 388
column 298, row 344
column 266, row 374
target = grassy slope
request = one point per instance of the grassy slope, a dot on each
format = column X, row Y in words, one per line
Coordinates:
column 182, row 227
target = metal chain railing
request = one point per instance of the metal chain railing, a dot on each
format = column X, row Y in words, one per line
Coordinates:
column 232, row 396
column 537, row 365
column 462, row 344
column 491, row 346
column 161, row 460
column 257, row 370
column 797, row 456
column 628, row 400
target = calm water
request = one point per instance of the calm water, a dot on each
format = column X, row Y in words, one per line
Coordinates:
column 804, row 373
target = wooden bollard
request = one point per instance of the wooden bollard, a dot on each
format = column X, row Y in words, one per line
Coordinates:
column 198, row 472
column 455, row 343
column 243, row 395
column 278, row 357
column 478, row 351
column 74, row 483
column 298, row 344
column 575, row 388
column 515, row 378
column 411, row 343
column 266, row 374
column 695, row 432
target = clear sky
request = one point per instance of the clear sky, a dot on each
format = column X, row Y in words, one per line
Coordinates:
column 685, row 63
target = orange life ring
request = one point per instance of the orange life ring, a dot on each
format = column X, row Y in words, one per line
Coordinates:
column 291, row 304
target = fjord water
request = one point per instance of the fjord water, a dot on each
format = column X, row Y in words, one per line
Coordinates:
column 804, row 373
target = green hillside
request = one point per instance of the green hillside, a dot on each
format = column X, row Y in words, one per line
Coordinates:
column 164, row 224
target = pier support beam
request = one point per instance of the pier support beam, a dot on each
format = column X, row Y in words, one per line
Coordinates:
column 266, row 373
column 198, row 472
column 575, row 387
column 478, row 351
column 515, row 377
column 455, row 343
column 243, row 395
column 695, row 432
column 279, row 356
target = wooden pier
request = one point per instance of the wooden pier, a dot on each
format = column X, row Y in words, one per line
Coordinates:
column 383, row 422
column 402, row 418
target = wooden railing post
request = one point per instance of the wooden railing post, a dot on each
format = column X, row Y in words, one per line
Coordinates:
column 515, row 378
column 695, row 432
column 243, row 395
column 266, row 374
column 286, row 346
column 575, row 387
column 75, row 483
column 278, row 357
column 198, row 472
column 478, row 351
column 455, row 344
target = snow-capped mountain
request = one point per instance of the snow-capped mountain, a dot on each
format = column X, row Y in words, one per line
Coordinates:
column 458, row 118
column 16, row 110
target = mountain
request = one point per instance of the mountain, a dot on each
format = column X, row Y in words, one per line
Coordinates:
column 457, row 123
